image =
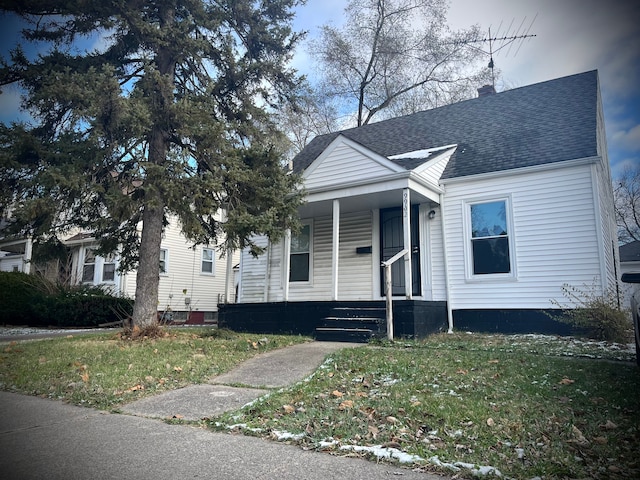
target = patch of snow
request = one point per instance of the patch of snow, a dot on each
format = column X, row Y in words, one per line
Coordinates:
column 384, row 452
column 287, row 435
column 476, row 470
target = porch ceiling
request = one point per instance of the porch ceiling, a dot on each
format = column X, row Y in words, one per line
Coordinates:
column 359, row 203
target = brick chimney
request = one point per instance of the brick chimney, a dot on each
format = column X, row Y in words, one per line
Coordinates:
column 486, row 90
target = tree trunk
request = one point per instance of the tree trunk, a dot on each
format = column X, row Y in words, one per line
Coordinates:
column 145, row 310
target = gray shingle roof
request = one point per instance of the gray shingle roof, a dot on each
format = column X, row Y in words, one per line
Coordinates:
column 543, row 123
column 630, row 252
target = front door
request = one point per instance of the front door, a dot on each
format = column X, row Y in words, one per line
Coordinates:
column 392, row 241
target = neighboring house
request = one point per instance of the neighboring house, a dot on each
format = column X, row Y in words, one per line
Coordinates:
column 193, row 281
column 503, row 199
column 629, row 263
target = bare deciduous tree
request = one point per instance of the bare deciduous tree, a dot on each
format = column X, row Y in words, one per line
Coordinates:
column 391, row 53
column 627, row 204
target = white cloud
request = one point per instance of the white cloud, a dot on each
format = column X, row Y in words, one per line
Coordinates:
column 628, row 139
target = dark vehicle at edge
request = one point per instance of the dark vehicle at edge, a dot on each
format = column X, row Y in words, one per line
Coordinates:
column 635, row 308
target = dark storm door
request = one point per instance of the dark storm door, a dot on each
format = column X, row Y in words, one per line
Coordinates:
column 392, row 241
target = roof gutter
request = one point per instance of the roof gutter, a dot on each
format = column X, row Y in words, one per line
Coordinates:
column 518, row 171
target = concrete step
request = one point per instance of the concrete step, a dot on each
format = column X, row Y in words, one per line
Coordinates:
column 337, row 334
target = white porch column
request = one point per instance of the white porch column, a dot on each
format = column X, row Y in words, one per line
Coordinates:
column 228, row 277
column 26, row 259
column 406, row 227
column 335, row 250
column 287, row 264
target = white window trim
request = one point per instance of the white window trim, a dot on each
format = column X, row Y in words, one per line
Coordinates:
column 212, row 273
column 166, row 262
column 96, row 267
column 304, row 223
column 99, row 263
column 468, row 252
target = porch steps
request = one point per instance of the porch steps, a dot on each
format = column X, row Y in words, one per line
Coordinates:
column 352, row 324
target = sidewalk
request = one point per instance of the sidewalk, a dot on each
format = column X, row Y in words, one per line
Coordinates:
column 48, row 439
column 274, row 369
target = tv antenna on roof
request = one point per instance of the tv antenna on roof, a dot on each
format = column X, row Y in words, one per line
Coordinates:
column 500, row 41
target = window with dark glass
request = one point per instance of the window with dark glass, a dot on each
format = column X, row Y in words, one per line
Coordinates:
column 207, row 261
column 109, row 269
column 490, row 238
column 300, row 255
column 89, row 267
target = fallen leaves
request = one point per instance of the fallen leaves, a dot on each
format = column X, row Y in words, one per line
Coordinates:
column 566, row 381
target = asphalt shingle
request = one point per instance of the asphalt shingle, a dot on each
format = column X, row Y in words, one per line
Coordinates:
column 547, row 122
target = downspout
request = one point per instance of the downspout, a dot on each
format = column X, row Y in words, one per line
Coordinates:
column 267, row 274
column 446, row 265
column 286, row 263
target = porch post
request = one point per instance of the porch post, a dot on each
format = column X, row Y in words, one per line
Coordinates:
column 28, row 252
column 228, row 276
column 287, row 264
column 406, row 227
column 335, row 249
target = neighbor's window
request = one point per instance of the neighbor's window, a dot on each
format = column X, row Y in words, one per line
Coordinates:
column 490, row 238
column 300, row 255
column 89, row 267
column 109, row 269
column 207, row 260
column 164, row 260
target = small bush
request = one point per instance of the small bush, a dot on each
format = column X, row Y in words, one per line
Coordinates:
column 22, row 302
column 595, row 316
column 32, row 300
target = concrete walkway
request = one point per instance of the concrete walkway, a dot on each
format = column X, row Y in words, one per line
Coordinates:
column 49, row 439
column 232, row 390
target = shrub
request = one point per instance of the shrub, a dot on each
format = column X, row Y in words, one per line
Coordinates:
column 32, row 300
column 87, row 307
column 22, row 302
column 595, row 316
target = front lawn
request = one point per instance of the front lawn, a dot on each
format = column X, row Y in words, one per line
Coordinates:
column 511, row 406
column 103, row 371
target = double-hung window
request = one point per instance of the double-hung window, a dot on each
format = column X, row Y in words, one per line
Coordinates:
column 207, row 263
column 109, row 269
column 300, row 258
column 89, row 267
column 490, row 242
column 164, row 261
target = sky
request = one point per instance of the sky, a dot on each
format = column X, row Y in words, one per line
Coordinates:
column 572, row 36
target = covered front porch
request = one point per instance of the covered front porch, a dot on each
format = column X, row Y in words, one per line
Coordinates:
column 362, row 320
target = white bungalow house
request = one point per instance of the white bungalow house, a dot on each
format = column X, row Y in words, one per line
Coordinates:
column 499, row 200
column 193, row 281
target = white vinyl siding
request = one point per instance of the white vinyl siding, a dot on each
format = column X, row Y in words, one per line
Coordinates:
column 254, row 273
column 344, row 165
column 354, row 276
column 555, row 239
column 183, row 279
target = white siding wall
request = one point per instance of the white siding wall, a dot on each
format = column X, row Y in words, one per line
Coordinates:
column 355, row 270
column 344, row 165
column 254, row 272
column 184, row 273
column 555, row 238
column 435, row 257
column 434, row 171
column 319, row 287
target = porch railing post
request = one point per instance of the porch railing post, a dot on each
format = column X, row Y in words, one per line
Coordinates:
column 389, row 293
column 389, row 288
